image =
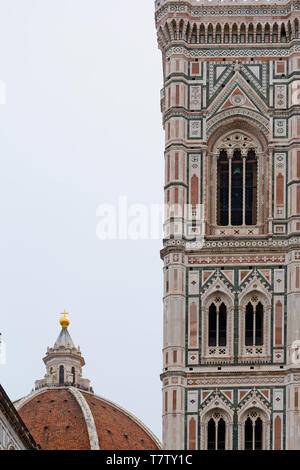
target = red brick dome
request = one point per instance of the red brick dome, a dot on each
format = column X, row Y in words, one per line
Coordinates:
column 67, row 418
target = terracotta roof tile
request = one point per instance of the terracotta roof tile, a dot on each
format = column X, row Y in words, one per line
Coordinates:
column 116, row 430
column 56, row 421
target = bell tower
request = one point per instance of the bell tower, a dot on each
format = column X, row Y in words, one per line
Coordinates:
column 231, row 254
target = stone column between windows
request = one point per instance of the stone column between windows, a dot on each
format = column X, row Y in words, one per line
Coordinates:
column 244, row 188
column 229, row 195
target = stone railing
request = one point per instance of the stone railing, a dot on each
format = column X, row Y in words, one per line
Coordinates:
column 45, row 385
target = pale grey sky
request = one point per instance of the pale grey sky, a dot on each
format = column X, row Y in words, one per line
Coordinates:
column 81, row 126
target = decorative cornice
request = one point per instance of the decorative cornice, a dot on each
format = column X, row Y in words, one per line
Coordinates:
column 236, row 377
column 217, row 8
column 220, row 51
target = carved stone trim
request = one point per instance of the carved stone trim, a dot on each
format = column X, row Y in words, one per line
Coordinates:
column 234, row 52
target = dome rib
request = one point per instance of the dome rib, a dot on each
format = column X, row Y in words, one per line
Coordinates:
column 147, row 433
column 88, row 417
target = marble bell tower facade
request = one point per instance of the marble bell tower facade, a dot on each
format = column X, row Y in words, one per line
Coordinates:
column 231, row 114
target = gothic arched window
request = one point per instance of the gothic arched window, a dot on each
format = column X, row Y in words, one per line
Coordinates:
column 237, row 189
column 243, row 33
column 61, row 375
column 250, row 182
column 223, row 185
column 255, row 327
column 254, row 324
column 251, row 33
column 275, row 32
column 253, row 432
column 202, row 34
column 216, row 433
column 217, row 325
column 237, row 185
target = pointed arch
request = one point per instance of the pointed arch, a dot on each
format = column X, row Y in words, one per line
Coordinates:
column 234, row 33
column 275, row 33
column 202, row 33
column 217, row 323
column 161, row 36
column 251, row 33
column 289, row 31
column 188, row 32
column 243, row 33
column 226, row 34
column 216, row 426
column 296, row 28
column 194, row 37
column 255, row 326
column 181, row 29
column 267, row 33
column 254, row 427
column 167, row 32
column 259, row 32
column 173, row 29
column 210, row 34
column 283, row 36
column 218, row 34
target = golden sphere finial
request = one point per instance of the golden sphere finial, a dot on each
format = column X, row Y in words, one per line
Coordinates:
column 64, row 321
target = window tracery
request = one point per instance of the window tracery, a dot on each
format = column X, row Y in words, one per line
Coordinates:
column 254, row 330
column 254, row 429
column 217, row 328
column 237, row 180
column 216, row 428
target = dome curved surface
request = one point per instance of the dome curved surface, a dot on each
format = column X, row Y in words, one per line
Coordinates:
column 67, row 418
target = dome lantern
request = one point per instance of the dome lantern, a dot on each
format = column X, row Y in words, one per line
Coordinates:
column 64, row 362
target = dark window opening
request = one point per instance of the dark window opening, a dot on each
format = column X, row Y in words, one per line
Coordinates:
column 254, row 320
column 237, row 206
column 237, row 189
column 248, row 434
column 211, row 435
column 216, row 434
column 249, row 325
column 253, row 434
column 74, row 375
column 258, row 434
column 61, row 375
column 217, row 325
column 212, row 328
column 259, row 325
column 222, row 325
column 223, row 186
column 251, row 185
column 221, row 434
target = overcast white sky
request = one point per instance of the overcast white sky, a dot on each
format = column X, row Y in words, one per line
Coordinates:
column 81, row 126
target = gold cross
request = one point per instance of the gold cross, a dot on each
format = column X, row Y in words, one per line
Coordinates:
column 64, row 313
